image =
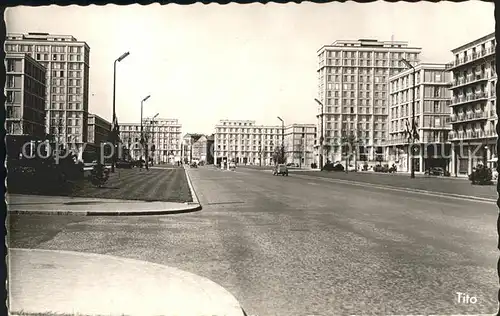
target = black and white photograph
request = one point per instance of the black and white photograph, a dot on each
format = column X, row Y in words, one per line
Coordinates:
column 279, row 159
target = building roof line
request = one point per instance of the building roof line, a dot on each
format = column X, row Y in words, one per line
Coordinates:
column 473, row 42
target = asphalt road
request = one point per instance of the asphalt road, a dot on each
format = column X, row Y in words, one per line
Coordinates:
column 295, row 246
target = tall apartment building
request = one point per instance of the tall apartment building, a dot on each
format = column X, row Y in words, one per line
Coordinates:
column 67, row 81
column 473, row 111
column 300, row 140
column 353, row 79
column 432, row 109
column 244, row 142
column 163, row 135
column 25, row 91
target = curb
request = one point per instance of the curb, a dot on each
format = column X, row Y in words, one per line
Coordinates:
column 192, row 209
column 403, row 189
column 204, row 284
column 191, row 188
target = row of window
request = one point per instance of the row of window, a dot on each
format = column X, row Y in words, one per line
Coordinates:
column 363, row 54
column 25, row 48
column 71, row 74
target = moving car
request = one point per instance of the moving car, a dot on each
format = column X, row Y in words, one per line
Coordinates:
column 280, row 169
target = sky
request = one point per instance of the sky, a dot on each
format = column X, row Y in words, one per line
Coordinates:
column 203, row 63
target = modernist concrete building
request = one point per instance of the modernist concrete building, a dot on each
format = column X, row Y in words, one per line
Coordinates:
column 300, row 140
column 244, row 142
column 24, row 105
column 432, row 110
column 353, row 77
column 473, row 104
column 162, row 135
column 67, row 80
column 25, row 90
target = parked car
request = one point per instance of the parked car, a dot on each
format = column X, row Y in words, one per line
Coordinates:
column 437, row 171
column 193, row 165
column 124, row 164
column 481, row 175
column 232, row 165
column 333, row 167
column 280, row 169
column 381, row 168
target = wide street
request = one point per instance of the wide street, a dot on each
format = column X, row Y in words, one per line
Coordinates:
column 302, row 245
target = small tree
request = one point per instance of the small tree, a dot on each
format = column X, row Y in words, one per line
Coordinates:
column 279, row 156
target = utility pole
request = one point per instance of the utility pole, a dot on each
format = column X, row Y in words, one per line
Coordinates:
column 282, row 140
column 413, row 130
column 321, row 138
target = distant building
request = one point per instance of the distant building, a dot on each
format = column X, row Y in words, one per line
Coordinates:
column 162, row 135
column 473, row 105
column 432, row 110
column 99, row 131
column 188, row 141
column 353, row 78
column 67, row 81
column 244, row 142
column 25, row 103
column 300, row 140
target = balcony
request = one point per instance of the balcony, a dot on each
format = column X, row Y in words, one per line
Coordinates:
column 471, row 135
column 469, row 98
column 467, row 117
column 462, row 82
column 469, row 59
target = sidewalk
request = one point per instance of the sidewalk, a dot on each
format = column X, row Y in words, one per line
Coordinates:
column 51, row 283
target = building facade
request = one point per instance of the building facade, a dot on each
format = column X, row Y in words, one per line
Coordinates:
column 162, row 135
column 473, row 104
column 244, row 142
column 353, row 78
column 67, row 82
column 200, row 149
column 432, row 110
column 25, row 91
column 187, row 149
column 300, row 140
column 99, row 131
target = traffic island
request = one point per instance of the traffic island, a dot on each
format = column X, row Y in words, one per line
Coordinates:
column 128, row 192
column 46, row 282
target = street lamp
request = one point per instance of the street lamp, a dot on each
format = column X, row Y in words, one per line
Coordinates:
column 321, row 135
column 282, row 139
column 142, row 128
column 115, row 121
column 412, row 133
column 153, row 134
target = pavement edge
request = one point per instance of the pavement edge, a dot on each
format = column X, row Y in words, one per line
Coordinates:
column 185, row 274
column 194, row 196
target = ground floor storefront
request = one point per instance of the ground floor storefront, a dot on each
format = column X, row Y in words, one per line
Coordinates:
column 467, row 155
column 422, row 156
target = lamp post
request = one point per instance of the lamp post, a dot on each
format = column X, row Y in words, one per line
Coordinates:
column 153, row 132
column 321, row 135
column 142, row 127
column 412, row 136
column 260, row 153
column 114, row 134
column 282, row 139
